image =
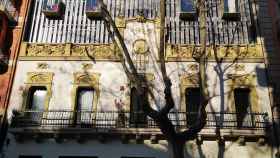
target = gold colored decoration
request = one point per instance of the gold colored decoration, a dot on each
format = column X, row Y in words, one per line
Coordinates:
column 243, row 81
column 140, row 46
column 39, row 77
column 239, row 67
column 91, row 79
column 193, row 67
column 31, row 51
column 87, row 66
column 187, row 81
column 87, row 80
column 141, row 18
column 45, row 50
column 230, row 52
column 42, row 65
column 120, row 22
column 111, row 51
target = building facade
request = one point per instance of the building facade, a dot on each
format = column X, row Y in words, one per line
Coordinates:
column 71, row 96
column 12, row 15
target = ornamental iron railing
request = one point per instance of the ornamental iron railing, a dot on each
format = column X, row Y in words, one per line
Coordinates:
column 113, row 119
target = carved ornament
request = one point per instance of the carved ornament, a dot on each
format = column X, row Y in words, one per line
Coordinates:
column 45, row 50
column 193, row 67
column 39, row 77
column 88, row 79
column 189, row 80
column 242, row 80
column 231, row 52
column 91, row 51
column 42, row 65
column 87, row 66
column 140, row 46
column 239, row 67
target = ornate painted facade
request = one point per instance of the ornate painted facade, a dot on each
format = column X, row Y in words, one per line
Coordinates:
column 71, row 95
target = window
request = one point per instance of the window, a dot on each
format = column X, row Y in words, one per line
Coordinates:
column 30, row 157
column 36, row 104
column 93, row 9
column 242, row 107
column 84, row 105
column 37, row 98
column 192, row 104
column 188, row 11
column 137, row 115
column 231, row 10
column 53, row 8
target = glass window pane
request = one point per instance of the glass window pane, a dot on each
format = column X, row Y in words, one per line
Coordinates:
column 187, row 6
column 85, row 99
column 231, row 6
column 192, row 104
column 242, row 106
column 91, row 4
column 38, row 99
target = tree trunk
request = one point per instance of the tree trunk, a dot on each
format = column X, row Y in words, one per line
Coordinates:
column 177, row 148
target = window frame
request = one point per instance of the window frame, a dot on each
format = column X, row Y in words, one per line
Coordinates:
column 231, row 16
column 189, row 15
column 53, row 13
column 191, row 120
column 93, row 13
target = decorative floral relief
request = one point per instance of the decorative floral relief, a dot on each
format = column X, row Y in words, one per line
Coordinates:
column 185, row 52
column 45, row 50
column 39, row 77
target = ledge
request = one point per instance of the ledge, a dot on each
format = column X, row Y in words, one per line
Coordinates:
column 70, row 133
column 245, row 52
column 111, row 52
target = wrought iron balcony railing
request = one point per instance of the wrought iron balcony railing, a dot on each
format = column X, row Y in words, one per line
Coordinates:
column 109, row 120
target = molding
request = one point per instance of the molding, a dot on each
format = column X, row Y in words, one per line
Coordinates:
column 111, row 52
column 74, row 51
column 38, row 79
column 87, row 80
column 243, row 81
column 228, row 52
column 187, row 81
column 150, row 79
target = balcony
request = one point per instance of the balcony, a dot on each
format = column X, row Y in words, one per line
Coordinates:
column 188, row 10
column 53, row 9
column 93, row 9
column 92, row 124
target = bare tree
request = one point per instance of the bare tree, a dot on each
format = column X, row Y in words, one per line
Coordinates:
column 176, row 139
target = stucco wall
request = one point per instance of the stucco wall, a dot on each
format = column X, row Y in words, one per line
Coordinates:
column 112, row 78
column 115, row 149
